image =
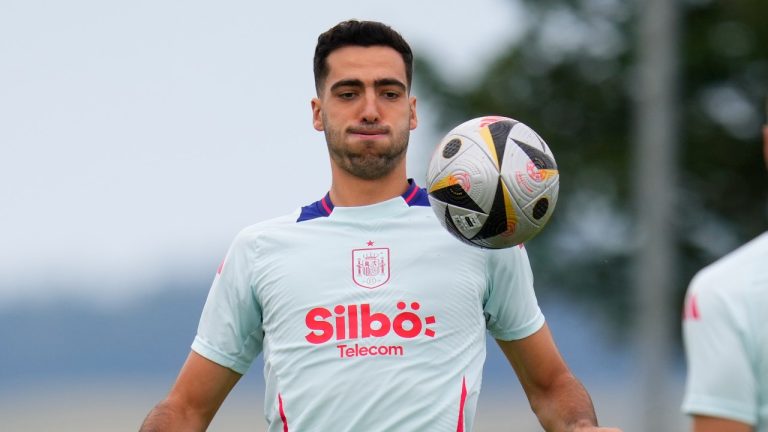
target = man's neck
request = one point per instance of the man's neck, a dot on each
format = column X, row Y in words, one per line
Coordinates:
column 350, row 191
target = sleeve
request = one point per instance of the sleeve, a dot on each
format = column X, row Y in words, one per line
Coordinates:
column 721, row 381
column 510, row 306
column 230, row 330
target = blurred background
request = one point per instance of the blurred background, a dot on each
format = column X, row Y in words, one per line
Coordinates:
column 137, row 138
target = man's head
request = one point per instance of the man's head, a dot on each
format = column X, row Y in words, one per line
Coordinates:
column 359, row 33
column 363, row 104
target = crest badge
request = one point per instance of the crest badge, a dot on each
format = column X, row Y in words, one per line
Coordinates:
column 370, row 267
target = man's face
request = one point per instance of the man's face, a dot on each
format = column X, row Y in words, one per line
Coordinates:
column 365, row 110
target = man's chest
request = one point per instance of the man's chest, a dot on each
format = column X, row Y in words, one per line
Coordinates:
column 371, row 287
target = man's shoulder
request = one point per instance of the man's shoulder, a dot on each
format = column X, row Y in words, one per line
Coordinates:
column 269, row 225
column 744, row 263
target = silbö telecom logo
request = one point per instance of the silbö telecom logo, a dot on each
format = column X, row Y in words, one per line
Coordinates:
column 358, row 322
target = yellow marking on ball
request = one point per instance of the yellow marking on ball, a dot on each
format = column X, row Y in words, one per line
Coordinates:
column 485, row 132
column 510, row 210
column 443, row 183
column 547, row 174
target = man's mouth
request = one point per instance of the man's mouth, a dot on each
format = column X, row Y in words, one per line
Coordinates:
column 369, row 132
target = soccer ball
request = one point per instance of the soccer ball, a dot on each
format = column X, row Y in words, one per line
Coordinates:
column 493, row 182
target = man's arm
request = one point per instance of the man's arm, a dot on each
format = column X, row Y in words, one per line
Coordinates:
column 198, row 393
column 559, row 400
column 715, row 424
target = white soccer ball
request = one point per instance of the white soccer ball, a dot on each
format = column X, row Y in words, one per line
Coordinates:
column 493, row 182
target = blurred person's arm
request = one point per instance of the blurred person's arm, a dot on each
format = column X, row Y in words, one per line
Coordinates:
column 716, row 424
column 199, row 391
column 558, row 399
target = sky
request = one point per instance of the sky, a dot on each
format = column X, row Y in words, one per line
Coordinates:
column 137, row 138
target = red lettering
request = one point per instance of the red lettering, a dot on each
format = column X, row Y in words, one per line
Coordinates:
column 352, row 311
column 367, row 319
column 358, row 322
column 365, row 351
column 415, row 325
column 322, row 331
column 341, row 325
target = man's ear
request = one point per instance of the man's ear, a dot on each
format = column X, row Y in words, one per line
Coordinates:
column 317, row 117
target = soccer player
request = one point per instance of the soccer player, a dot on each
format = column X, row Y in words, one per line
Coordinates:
column 370, row 316
column 725, row 330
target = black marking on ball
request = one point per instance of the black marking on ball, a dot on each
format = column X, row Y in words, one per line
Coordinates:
column 497, row 217
column 540, row 208
column 469, row 222
column 500, row 133
column 451, row 148
column 455, row 195
column 538, row 157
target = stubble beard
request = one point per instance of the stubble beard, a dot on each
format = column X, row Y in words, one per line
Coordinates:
column 367, row 162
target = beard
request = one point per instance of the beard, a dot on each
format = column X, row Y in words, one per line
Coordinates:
column 371, row 160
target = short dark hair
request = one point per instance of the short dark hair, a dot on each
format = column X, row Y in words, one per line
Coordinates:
column 359, row 33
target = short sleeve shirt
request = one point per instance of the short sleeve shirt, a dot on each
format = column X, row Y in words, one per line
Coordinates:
column 369, row 318
column 725, row 331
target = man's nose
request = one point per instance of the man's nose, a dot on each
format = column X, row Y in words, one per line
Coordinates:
column 370, row 112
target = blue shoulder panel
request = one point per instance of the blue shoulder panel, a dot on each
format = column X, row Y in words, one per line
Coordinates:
column 322, row 208
column 413, row 196
column 416, row 196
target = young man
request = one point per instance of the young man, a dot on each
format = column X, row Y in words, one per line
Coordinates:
column 371, row 317
column 725, row 330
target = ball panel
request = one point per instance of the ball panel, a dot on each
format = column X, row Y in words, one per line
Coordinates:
column 528, row 173
column 462, row 223
column 470, row 171
column 447, row 222
column 550, row 194
column 454, row 194
column 467, row 222
column 438, row 162
column 499, row 132
column 524, row 134
column 522, row 177
column 502, row 217
column 540, row 159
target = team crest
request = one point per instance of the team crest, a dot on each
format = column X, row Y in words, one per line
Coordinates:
column 370, row 267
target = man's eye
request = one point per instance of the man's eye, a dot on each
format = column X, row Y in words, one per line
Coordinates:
column 391, row 95
column 347, row 95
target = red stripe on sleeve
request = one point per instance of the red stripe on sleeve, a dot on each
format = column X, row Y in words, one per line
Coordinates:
column 691, row 309
column 694, row 308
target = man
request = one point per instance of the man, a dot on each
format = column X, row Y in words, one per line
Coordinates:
column 370, row 315
column 725, row 329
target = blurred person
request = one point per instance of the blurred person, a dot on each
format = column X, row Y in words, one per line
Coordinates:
column 371, row 317
column 725, row 331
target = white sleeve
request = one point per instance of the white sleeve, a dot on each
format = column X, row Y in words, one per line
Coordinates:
column 230, row 329
column 510, row 306
column 721, row 381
